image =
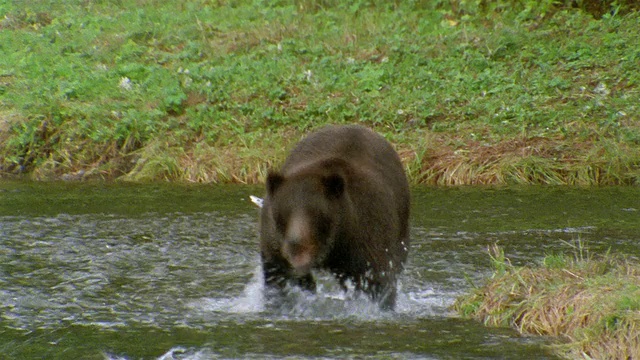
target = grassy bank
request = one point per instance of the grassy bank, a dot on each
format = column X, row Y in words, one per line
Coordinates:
column 590, row 303
column 500, row 92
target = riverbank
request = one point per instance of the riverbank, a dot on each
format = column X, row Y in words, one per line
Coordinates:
column 486, row 93
column 590, row 303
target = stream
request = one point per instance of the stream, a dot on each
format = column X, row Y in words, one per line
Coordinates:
column 163, row 271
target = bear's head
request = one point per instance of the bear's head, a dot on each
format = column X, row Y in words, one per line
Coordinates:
column 306, row 210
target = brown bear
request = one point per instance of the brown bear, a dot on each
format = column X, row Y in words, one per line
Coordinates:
column 340, row 203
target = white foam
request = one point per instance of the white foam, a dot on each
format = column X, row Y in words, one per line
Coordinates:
column 251, row 300
column 175, row 353
column 329, row 301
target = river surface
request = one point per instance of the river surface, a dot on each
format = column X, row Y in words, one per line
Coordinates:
column 121, row 271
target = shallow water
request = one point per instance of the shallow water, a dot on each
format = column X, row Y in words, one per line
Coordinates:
column 98, row 271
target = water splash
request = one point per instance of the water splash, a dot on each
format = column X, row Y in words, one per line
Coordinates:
column 176, row 353
column 329, row 302
column 250, row 301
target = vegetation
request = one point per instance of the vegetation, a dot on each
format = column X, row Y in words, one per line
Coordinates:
column 471, row 92
column 591, row 302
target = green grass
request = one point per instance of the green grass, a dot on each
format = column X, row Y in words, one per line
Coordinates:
column 216, row 91
column 591, row 303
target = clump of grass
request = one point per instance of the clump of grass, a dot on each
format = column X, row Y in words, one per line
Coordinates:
column 592, row 303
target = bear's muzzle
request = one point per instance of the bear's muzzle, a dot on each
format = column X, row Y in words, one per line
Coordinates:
column 298, row 246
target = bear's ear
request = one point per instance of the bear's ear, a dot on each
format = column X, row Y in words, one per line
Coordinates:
column 333, row 185
column 274, row 180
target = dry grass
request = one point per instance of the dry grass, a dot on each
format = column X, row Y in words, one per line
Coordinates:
column 430, row 159
column 593, row 304
column 200, row 162
column 446, row 161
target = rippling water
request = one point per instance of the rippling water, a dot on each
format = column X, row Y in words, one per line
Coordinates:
column 167, row 272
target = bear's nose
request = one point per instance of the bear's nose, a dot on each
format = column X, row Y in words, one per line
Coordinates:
column 299, row 255
column 293, row 247
column 294, row 244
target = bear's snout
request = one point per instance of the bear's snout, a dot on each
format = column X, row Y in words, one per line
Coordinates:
column 299, row 256
column 298, row 247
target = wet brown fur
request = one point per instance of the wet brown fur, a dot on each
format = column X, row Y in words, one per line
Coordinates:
column 351, row 185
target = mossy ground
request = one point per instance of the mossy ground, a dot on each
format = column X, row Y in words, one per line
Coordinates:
column 498, row 92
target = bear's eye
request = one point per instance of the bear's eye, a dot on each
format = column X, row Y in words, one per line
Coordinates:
column 323, row 226
column 281, row 224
